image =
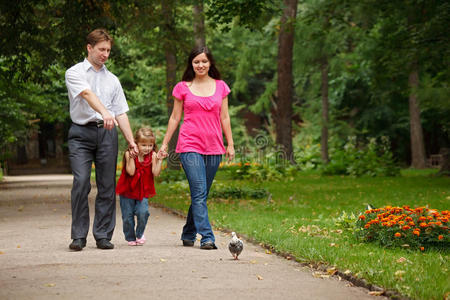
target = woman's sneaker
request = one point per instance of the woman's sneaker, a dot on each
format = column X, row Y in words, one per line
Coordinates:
column 208, row 246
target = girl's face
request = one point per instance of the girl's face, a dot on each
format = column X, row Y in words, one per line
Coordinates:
column 145, row 146
column 201, row 64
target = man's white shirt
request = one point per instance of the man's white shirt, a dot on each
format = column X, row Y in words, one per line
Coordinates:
column 103, row 83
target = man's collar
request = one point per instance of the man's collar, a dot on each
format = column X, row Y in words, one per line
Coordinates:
column 87, row 65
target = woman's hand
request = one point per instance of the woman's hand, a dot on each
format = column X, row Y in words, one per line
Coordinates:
column 230, row 153
column 162, row 153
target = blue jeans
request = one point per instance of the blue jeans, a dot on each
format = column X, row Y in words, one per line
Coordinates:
column 200, row 171
column 131, row 208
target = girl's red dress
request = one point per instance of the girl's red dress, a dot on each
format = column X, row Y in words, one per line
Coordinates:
column 141, row 185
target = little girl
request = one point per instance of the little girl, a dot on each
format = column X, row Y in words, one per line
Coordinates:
column 136, row 185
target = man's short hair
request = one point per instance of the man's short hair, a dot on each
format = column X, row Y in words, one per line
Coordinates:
column 98, row 35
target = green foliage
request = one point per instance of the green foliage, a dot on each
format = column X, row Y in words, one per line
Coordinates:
column 346, row 221
column 171, row 176
column 373, row 159
column 235, row 192
column 268, row 170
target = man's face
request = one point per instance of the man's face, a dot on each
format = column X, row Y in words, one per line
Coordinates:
column 99, row 54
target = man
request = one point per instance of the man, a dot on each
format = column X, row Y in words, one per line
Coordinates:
column 97, row 105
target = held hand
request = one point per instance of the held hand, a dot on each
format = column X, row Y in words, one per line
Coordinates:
column 108, row 121
column 133, row 149
column 163, row 151
column 230, row 153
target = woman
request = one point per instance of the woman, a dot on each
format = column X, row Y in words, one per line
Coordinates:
column 202, row 97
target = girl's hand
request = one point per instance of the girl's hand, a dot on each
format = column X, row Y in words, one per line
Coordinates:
column 133, row 149
column 163, row 151
column 230, row 153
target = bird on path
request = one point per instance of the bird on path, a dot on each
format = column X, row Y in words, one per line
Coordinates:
column 235, row 246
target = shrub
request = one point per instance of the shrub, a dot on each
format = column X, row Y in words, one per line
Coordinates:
column 233, row 192
column 170, row 176
column 373, row 159
column 403, row 226
column 260, row 172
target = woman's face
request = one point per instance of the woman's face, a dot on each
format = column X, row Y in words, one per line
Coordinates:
column 201, row 64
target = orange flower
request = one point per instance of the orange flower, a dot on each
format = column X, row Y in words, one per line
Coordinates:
column 422, row 248
column 367, row 226
column 412, row 224
column 362, row 217
column 406, row 227
column 440, row 237
column 422, row 218
column 416, row 232
column 397, row 234
column 423, row 225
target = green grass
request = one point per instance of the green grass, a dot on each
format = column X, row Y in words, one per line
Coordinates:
column 299, row 219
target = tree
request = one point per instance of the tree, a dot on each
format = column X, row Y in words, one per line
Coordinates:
column 283, row 109
column 170, row 50
column 199, row 23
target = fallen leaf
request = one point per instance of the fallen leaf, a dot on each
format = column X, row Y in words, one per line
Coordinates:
column 376, row 293
column 401, row 260
column 173, row 232
column 50, row 284
column 268, row 251
column 18, row 246
column 347, row 272
column 20, row 208
column 317, row 275
column 83, row 277
column 1, row 252
column 260, row 277
column 253, row 261
column 162, row 260
column 331, row 271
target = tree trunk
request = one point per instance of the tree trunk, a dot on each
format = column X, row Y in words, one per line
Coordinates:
column 170, row 51
column 199, row 23
column 324, row 136
column 445, row 164
column 417, row 143
column 283, row 108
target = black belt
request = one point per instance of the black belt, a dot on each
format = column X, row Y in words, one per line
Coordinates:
column 98, row 124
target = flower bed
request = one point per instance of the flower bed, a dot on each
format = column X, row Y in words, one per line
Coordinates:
column 404, row 226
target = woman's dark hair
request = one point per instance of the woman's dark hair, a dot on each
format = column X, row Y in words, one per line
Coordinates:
column 189, row 73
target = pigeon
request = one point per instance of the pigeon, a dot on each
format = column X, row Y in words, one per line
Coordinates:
column 235, row 246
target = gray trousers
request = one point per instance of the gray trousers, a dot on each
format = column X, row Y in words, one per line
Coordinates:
column 89, row 144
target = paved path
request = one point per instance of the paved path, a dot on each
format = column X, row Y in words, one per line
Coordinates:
column 35, row 262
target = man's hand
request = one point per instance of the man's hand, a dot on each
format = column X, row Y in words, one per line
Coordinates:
column 133, row 149
column 108, row 121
